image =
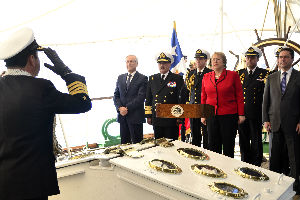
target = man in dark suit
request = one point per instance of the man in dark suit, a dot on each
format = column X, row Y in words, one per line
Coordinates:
column 164, row 87
column 27, row 109
column 250, row 132
column 129, row 97
column 193, row 83
column 281, row 115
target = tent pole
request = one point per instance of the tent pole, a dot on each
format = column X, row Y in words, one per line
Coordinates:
column 222, row 14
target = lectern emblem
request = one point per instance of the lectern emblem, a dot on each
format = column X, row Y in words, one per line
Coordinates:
column 177, row 111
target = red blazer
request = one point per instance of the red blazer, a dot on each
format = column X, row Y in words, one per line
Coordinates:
column 226, row 94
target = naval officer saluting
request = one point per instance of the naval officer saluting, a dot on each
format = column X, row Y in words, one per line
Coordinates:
column 27, row 109
column 164, row 87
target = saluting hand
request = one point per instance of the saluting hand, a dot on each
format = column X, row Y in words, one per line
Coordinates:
column 59, row 67
column 203, row 120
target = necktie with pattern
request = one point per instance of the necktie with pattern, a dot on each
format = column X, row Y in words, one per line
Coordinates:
column 283, row 82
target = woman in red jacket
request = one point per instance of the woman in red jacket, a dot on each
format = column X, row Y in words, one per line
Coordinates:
column 222, row 89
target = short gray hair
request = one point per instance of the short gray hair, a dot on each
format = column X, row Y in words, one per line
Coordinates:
column 135, row 58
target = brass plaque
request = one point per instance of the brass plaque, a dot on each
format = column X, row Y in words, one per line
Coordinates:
column 250, row 173
column 227, row 189
column 208, row 170
column 164, row 166
column 193, row 153
column 184, row 110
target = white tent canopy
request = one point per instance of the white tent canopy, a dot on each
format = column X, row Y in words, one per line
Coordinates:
column 93, row 38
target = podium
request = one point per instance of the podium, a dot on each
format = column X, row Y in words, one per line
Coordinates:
column 184, row 110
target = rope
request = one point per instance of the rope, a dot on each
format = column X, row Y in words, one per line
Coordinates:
column 234, row 30
column 296, row 25
column 288, row 5
column 265, row 19
column 101, row 98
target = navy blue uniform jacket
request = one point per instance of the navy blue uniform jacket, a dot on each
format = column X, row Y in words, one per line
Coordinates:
column 165, row 92
column 27, row 109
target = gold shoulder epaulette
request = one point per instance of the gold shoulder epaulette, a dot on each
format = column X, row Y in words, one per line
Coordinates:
column 77, row 87
column 266, row 75
column 190, row 82
column 242, row 77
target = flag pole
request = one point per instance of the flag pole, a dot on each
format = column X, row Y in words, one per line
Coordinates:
column 174, row 26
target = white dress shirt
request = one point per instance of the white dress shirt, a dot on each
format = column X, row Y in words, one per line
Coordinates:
column 166, row 74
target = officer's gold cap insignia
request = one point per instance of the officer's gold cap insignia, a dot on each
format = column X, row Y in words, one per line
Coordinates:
column 199, row 51
column 162, row 55
column 278, row 51
column 163, row 58
column 251, row 50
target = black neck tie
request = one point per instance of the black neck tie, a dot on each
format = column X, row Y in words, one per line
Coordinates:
column 162, row 78
column 250, row 73
column 128, row 81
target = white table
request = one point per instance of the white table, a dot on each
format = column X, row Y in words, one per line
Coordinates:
column 188, row 184
column 132, row 179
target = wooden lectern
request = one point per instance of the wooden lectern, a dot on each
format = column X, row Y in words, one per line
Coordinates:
column 184, row 110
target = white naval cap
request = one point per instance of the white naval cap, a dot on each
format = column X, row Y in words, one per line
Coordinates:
column 164, row 57
column 201, row 53
column 253, row 51
column 17, row 42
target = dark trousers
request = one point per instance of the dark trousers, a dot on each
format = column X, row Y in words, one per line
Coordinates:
column 250, row 136
column 182, row 131
column 198, row 130
column 170, row 132
column 286, row 152
column 221, row 133
column 130, row 133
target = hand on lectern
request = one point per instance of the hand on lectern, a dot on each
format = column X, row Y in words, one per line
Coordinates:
column 149, row 121
column 241, row 119
column 203, row 120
